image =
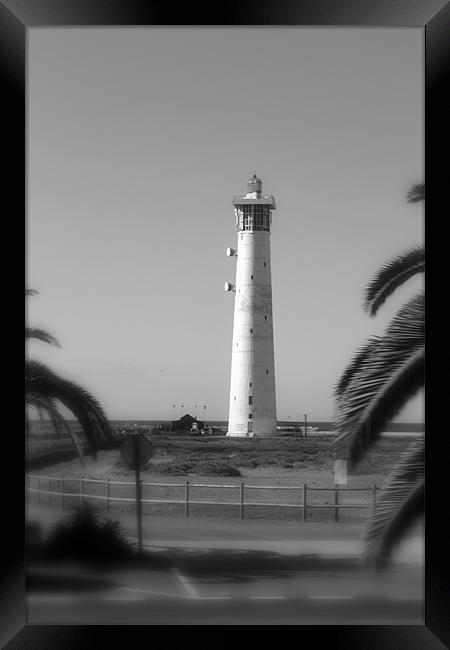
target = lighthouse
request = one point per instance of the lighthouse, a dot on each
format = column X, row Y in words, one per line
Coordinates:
column 252, row 410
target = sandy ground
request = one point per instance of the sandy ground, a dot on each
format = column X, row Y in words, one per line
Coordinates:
column 109, row 465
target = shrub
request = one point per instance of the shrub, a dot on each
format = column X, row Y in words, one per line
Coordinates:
column 204, row 466
column 216, row 468
column 83, row 536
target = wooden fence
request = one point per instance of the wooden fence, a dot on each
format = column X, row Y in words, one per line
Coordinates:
column 64, row 495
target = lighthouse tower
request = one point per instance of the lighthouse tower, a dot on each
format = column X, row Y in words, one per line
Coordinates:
column 252, row 409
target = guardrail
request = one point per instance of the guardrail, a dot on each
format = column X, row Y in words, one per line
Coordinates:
column 303, row 506
column 41, row 449
column 48, row 448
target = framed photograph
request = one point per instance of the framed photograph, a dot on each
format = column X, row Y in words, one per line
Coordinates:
column 132, row 127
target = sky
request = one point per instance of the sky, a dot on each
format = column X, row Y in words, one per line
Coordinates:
column 137, row 140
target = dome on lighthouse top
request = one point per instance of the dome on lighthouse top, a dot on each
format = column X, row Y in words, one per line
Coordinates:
column 254, row 195
column 254, row 184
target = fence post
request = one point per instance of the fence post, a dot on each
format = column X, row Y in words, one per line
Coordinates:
column 374, row 494
column 81, row 491
column 186, row 499
column 241, row 495
column 336, row 502
column 304, row 502
column 107, row 495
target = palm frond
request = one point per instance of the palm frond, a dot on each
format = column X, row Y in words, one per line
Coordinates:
column 40, row 335
column 391, row 276
column 392, row 514
column 388, row 376
column 382, row 408
column 44, row 383
column 355, row 365
column 407, row 514
column 416, row 193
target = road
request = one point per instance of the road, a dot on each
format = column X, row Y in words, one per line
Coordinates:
column 241, row 572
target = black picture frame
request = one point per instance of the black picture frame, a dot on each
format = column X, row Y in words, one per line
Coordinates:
column 16, row 16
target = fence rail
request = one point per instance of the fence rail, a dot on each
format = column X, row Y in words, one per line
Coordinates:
column 303, row 505
column 38, row 450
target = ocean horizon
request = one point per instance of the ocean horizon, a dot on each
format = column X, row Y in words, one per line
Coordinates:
column 393, row 428
column 411, row 428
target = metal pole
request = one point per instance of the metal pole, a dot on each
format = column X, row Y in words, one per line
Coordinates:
column 306, row 425
column 137, row 472
column 374, row 494
column 336, row 502
column 304, row 502
column 241, row 493
column 107, row 495
column 186, row 499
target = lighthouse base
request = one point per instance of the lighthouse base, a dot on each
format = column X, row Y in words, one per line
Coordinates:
column 232, row 434
column 263, row 429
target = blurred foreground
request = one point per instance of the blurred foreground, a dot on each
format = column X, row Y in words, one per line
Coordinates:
column 224, row 571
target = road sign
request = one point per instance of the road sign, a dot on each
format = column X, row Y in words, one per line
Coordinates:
column 136, row 450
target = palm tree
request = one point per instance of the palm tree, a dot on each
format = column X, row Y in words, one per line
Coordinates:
column 381, row 378
column 45, row 391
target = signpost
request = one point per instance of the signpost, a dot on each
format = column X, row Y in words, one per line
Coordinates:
column 136, row 452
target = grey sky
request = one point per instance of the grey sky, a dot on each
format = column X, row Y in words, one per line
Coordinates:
column 138, row 138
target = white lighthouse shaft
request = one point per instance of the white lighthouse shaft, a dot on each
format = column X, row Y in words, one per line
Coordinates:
column 252, row 410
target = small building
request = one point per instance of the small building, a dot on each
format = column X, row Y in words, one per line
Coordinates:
column 186, row 423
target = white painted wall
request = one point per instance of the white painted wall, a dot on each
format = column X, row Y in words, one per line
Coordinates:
column 252, row 360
